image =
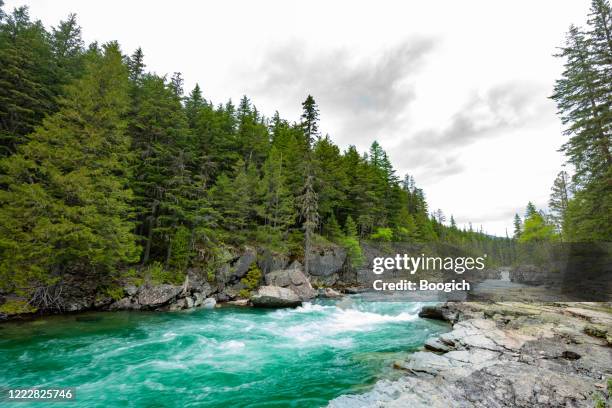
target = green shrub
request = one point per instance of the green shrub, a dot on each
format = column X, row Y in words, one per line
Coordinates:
column 157, row 274
column 599, row 402
column 11, row 307
column 383, row 234
column 114, row 293
column 353, row 251
column 251, row 280
column 180, row 250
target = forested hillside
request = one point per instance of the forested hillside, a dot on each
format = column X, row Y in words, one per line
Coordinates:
column 107, row 166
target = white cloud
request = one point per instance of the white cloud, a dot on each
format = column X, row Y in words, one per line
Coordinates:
column 456, row 91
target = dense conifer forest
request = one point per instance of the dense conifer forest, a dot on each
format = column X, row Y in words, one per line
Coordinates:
column 106, row 167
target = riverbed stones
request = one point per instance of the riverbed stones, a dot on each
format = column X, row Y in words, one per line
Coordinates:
column 275, row 296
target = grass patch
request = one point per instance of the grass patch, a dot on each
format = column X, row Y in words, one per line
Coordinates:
column 13, row 307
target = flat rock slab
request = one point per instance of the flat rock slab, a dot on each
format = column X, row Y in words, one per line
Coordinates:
column 503, row 355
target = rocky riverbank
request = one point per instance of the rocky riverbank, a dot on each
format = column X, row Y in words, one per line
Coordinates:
column 505, row 355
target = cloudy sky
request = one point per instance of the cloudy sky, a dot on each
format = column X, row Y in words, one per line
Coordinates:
column 455, row 91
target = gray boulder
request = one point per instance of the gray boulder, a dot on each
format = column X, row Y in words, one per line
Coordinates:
column 275, row 296
column 439, row 312
column 199, row 299
column 130, row 289
column 293, row 279
column 197, row 282
column 158, row 295
column 178, row 305
column 209, row 303
column 189, row 303
column 326, row 261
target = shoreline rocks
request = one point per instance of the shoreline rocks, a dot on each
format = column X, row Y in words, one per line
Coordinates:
column 275, row 296
column 504, row 355
column 293, row 279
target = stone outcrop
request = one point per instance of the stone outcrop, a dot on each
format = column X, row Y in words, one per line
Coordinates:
column 153, row 296
column 275, row 296
column 269, row 261
column 504, row 355
column 293, row 279
column 325, row 264
column 237, row 267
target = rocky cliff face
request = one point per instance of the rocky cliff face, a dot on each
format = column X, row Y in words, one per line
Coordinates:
column 505, row 355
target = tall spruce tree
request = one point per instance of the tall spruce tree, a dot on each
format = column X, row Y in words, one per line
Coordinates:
column 277, row 206
column 309, row 211
column 559, row 199
column 310, row 120
column 583, row 101
column 518, row 226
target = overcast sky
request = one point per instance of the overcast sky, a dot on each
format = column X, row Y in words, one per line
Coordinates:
column 455, row 91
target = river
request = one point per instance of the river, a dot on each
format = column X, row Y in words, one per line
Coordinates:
column 227, row 357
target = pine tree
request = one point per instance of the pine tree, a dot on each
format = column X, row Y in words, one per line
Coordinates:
column 350, row 227
column 583, row 103
column 176, row 84
column 233, row 198
column 332, row 228
column 559, row 199
column 310, row 120
column 308, row 202
column 162, row 180
column 518, row 226
column 68, row 51
column 27, row 79
column 67, row 205
column 330, row 176
column 194, row 105
column 277, row 207
column 136, row 65
column 530, row 210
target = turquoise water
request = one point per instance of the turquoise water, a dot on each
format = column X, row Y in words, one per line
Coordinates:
column 227, row 357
